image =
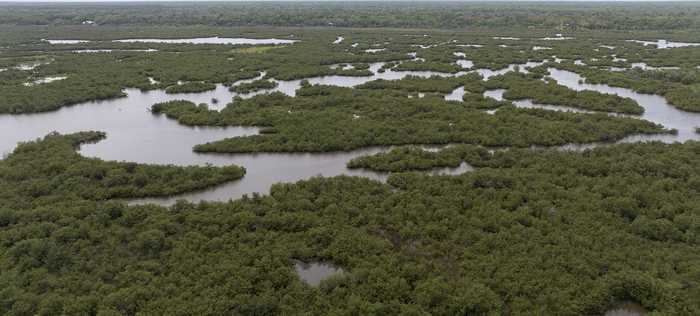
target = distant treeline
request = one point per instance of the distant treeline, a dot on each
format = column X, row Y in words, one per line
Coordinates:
column 570, row 16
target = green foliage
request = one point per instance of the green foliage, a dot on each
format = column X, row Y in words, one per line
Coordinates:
column 479, row 101
column 559, row 233
column 49, row 170
column 413, row 83
column 190, row 87
column 529, row 231
column 472, row 82
column 413, row 158
column 323, row 118
column 685, row 98
column 427, row 66
column 104, row 76
column 680, row 91
column 254, row 86
column 521, row 87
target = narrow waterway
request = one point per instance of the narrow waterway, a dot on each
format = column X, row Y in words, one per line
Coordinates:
column 656, row 108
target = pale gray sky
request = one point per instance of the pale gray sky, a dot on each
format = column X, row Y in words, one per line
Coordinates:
column 49, row 1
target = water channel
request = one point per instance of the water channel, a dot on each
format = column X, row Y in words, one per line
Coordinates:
column 136, row 135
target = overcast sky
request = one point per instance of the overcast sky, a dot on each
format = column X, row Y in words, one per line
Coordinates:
column 45, row 1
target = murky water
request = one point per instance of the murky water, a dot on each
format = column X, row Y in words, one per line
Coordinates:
column 314, row 273
column 456, row 94
column 664, row 44
column 656, row 108
column 198, row 40
column 488, row 73
column 342, row 66
column 644, row 66
column 290, row 87
column 558, row 38
column 134, row 134
column 64, row 41
column 627, row 309
column 210, row 40
column 265, row 169
column 45, row 80
column 528, row 104
column 464, row 63
column 31, row 65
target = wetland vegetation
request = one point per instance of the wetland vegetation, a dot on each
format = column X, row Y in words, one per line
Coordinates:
column 549, row 92
column 568, row 131
column 49, row 170
column 323, row 118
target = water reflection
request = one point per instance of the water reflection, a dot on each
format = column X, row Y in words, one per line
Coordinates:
column 558, row 38
column 31, row 65
column 210, row 40
column 134, row 134
column 644, row 66
column 488, row 73
column 627, row 309
column 528, row 104
column 198, row 40
column 315, row 272
column 265, row 169
column 64, row 41
column 290, row 87
column 656, row 108
column 456, row 94
column 664, row 44
column 44, row 80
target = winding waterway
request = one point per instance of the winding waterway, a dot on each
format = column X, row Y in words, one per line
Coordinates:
column 134, row 134
column 656, row 108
